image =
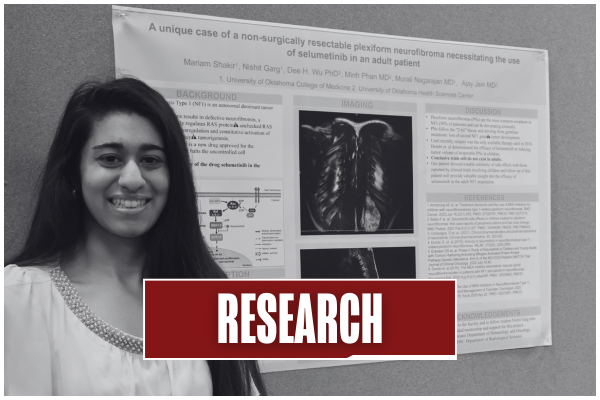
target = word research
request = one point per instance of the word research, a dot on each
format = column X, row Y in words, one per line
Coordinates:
column 327, row 311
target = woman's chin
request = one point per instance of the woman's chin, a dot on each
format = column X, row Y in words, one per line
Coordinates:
column 131, row 233
column 127, row 231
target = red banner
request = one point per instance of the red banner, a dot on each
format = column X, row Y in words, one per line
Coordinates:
column 299, row 319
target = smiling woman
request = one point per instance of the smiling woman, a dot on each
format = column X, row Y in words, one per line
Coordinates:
column 124, row 175
column 117, row 204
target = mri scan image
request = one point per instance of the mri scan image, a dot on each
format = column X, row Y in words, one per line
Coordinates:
column 355, row 173
column 358, row 263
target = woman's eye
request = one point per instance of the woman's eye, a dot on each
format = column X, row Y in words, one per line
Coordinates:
column 109, row 160
column 151, row 161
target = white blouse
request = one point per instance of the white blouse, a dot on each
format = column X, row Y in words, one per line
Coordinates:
column 49, row 350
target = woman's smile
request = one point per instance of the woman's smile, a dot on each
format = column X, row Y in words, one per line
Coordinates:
column 128, row 205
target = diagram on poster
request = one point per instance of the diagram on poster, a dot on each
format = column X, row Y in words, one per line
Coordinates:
column 242, row 222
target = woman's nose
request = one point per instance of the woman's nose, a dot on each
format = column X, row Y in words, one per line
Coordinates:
column 131, row 177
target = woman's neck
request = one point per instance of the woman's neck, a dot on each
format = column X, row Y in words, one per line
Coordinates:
column 106, row 271
column 102, row 256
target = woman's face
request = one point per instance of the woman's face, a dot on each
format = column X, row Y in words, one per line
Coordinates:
column 124, row 174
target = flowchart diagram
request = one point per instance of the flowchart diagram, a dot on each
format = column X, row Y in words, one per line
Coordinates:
column 242, row 222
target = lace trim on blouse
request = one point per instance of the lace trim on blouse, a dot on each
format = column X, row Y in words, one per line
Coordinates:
column 108, row 333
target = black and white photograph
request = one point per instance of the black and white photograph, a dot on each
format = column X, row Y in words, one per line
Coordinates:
column 358, row 263
column 356, row 173
column 311, row 146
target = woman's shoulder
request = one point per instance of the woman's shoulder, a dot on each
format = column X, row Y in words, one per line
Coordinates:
column 27, row 298
column 24, row 284
column 26, row 295
column 15, row 276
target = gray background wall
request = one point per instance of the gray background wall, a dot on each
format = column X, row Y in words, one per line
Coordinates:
column 49, row 49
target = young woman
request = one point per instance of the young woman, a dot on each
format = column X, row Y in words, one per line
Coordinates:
column 117, row 204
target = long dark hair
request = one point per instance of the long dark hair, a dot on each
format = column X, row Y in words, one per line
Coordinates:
column 176, row 248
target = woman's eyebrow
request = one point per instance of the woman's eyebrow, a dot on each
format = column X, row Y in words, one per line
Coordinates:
column 120, row 146
column 150, row 146
column 109, row 145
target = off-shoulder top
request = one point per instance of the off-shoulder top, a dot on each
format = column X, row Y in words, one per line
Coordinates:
column 55, row 345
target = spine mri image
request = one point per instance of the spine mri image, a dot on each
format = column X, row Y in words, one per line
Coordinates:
column 356, row 173
column 358, row 263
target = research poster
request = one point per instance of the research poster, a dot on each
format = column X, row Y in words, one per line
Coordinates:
column 333, row 154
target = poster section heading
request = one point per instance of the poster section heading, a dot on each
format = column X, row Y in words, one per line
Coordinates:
column 300, row 319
